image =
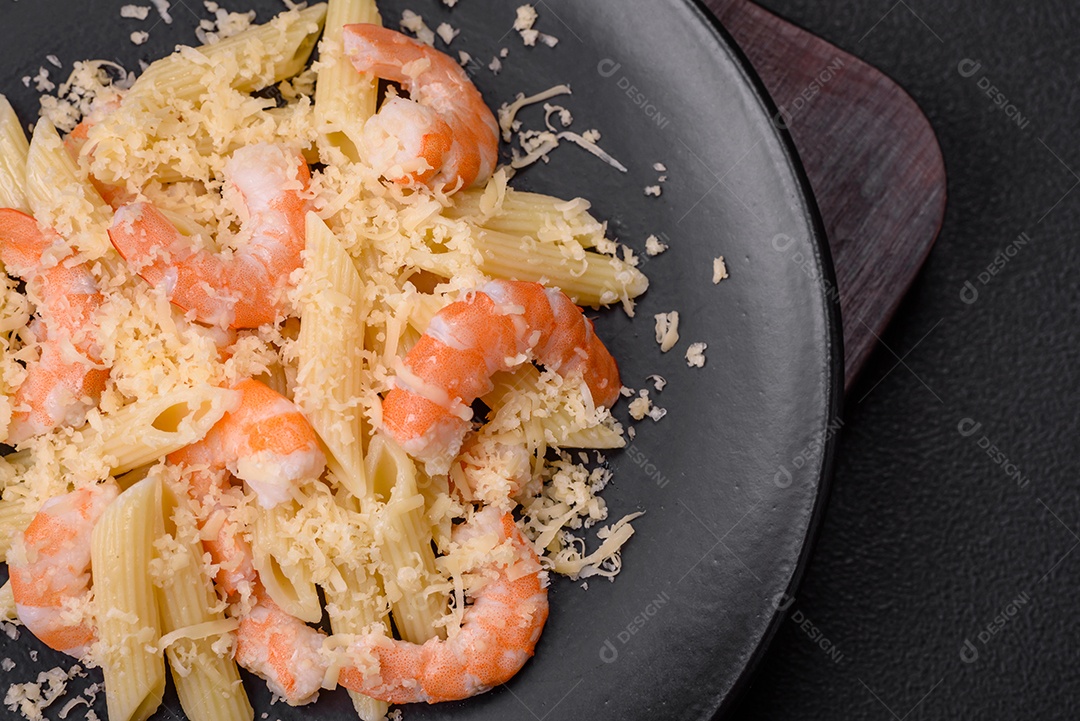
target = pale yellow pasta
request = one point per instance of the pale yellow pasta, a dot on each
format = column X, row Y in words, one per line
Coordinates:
column 7, row 603
column 533, row 215
column 262, row 55
column 353, row 609
column 207, row 683
column 61, row 197
column 562, row 427
column 403, row 536
column 329, row 377
column 14, row 519
column 290, row 585
column 344, row 99
column 13, row 150
column 151, row 428
column 128, row 622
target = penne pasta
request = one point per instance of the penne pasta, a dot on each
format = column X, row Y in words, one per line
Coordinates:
column 532, row 215
column 14, row 518
column 61, row 197
column 207, row 682
column 344, row 99
column 329, row 382
column 403, row 536
column 13, row 150
column 590, row 279
column 290, row 585
column 560, row 427
column 353, row 609
column 7, row 603
column 258, row 57
column 128, row 622
column 150, row 429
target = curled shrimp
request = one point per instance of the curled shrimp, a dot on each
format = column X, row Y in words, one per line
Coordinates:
column 267, row 436
column 68, row 379
column 444, row 135
column 246, row 288
column 265, row 441
column 497, row 328
column 49, row 564
column 493, row 469
column 498, row 633
column 282, row 650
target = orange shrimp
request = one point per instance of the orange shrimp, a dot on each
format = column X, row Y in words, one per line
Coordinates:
column 49, row 564
column 246, row 288
column 282, row 650
column 114, row 195
column 497, row 328
column 498, row 633
column 265, row 441
column 68, row 378
column 445, row 135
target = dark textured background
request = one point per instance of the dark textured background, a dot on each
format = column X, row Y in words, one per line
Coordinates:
column 927, row 539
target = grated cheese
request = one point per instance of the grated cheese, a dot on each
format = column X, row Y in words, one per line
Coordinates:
column 654, row 246
column 415, row 24
column 667, row 330
column 447, row 32
column 162, row 7
column 653, row 190
column 695, row 355
column 719, row 270
column 138, row 12
column 139, row 37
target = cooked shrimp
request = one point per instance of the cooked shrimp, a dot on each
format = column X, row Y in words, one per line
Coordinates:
column 270, row 643
column 114, row 195
column 50, row 567
column 246, row 288
column 497, row 636
column 444, row 135
column 497, row 328
column 68, row 378
column 282, row 650
column 265, row 441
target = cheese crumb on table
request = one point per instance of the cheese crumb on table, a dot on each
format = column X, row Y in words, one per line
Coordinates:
column 667, row 330
column 695, row 355
column 643, row 406
column 447, row 32
column 415, row 24
column 658, row 381
column 719, row 270
column 659, row 167
column 653, row 190
column 139, row 37
column 138, row 12
column 654, row 246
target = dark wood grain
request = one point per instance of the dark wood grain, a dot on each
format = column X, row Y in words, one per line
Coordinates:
column 871, row 156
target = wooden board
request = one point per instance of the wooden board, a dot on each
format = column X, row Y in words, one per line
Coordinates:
column 872, row 158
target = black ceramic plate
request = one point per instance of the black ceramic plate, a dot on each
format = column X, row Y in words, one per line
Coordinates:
column 732, row 479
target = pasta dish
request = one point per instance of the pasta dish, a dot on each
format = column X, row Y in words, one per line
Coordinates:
column 293, row 374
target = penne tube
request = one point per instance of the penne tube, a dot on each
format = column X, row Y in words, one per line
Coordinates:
column 532, row 215
column 7, row 603
column 128, row 622
column 61, row 197
column 13, row 151
column 403, row 536
column 207, row 682
column 260, row 56
column 329, row 382
column 14, row 518
column 150, row 429
column 352, row 610
column 344, row 99
column 290, row 585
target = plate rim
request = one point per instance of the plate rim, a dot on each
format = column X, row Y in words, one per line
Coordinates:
column 724, row 702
